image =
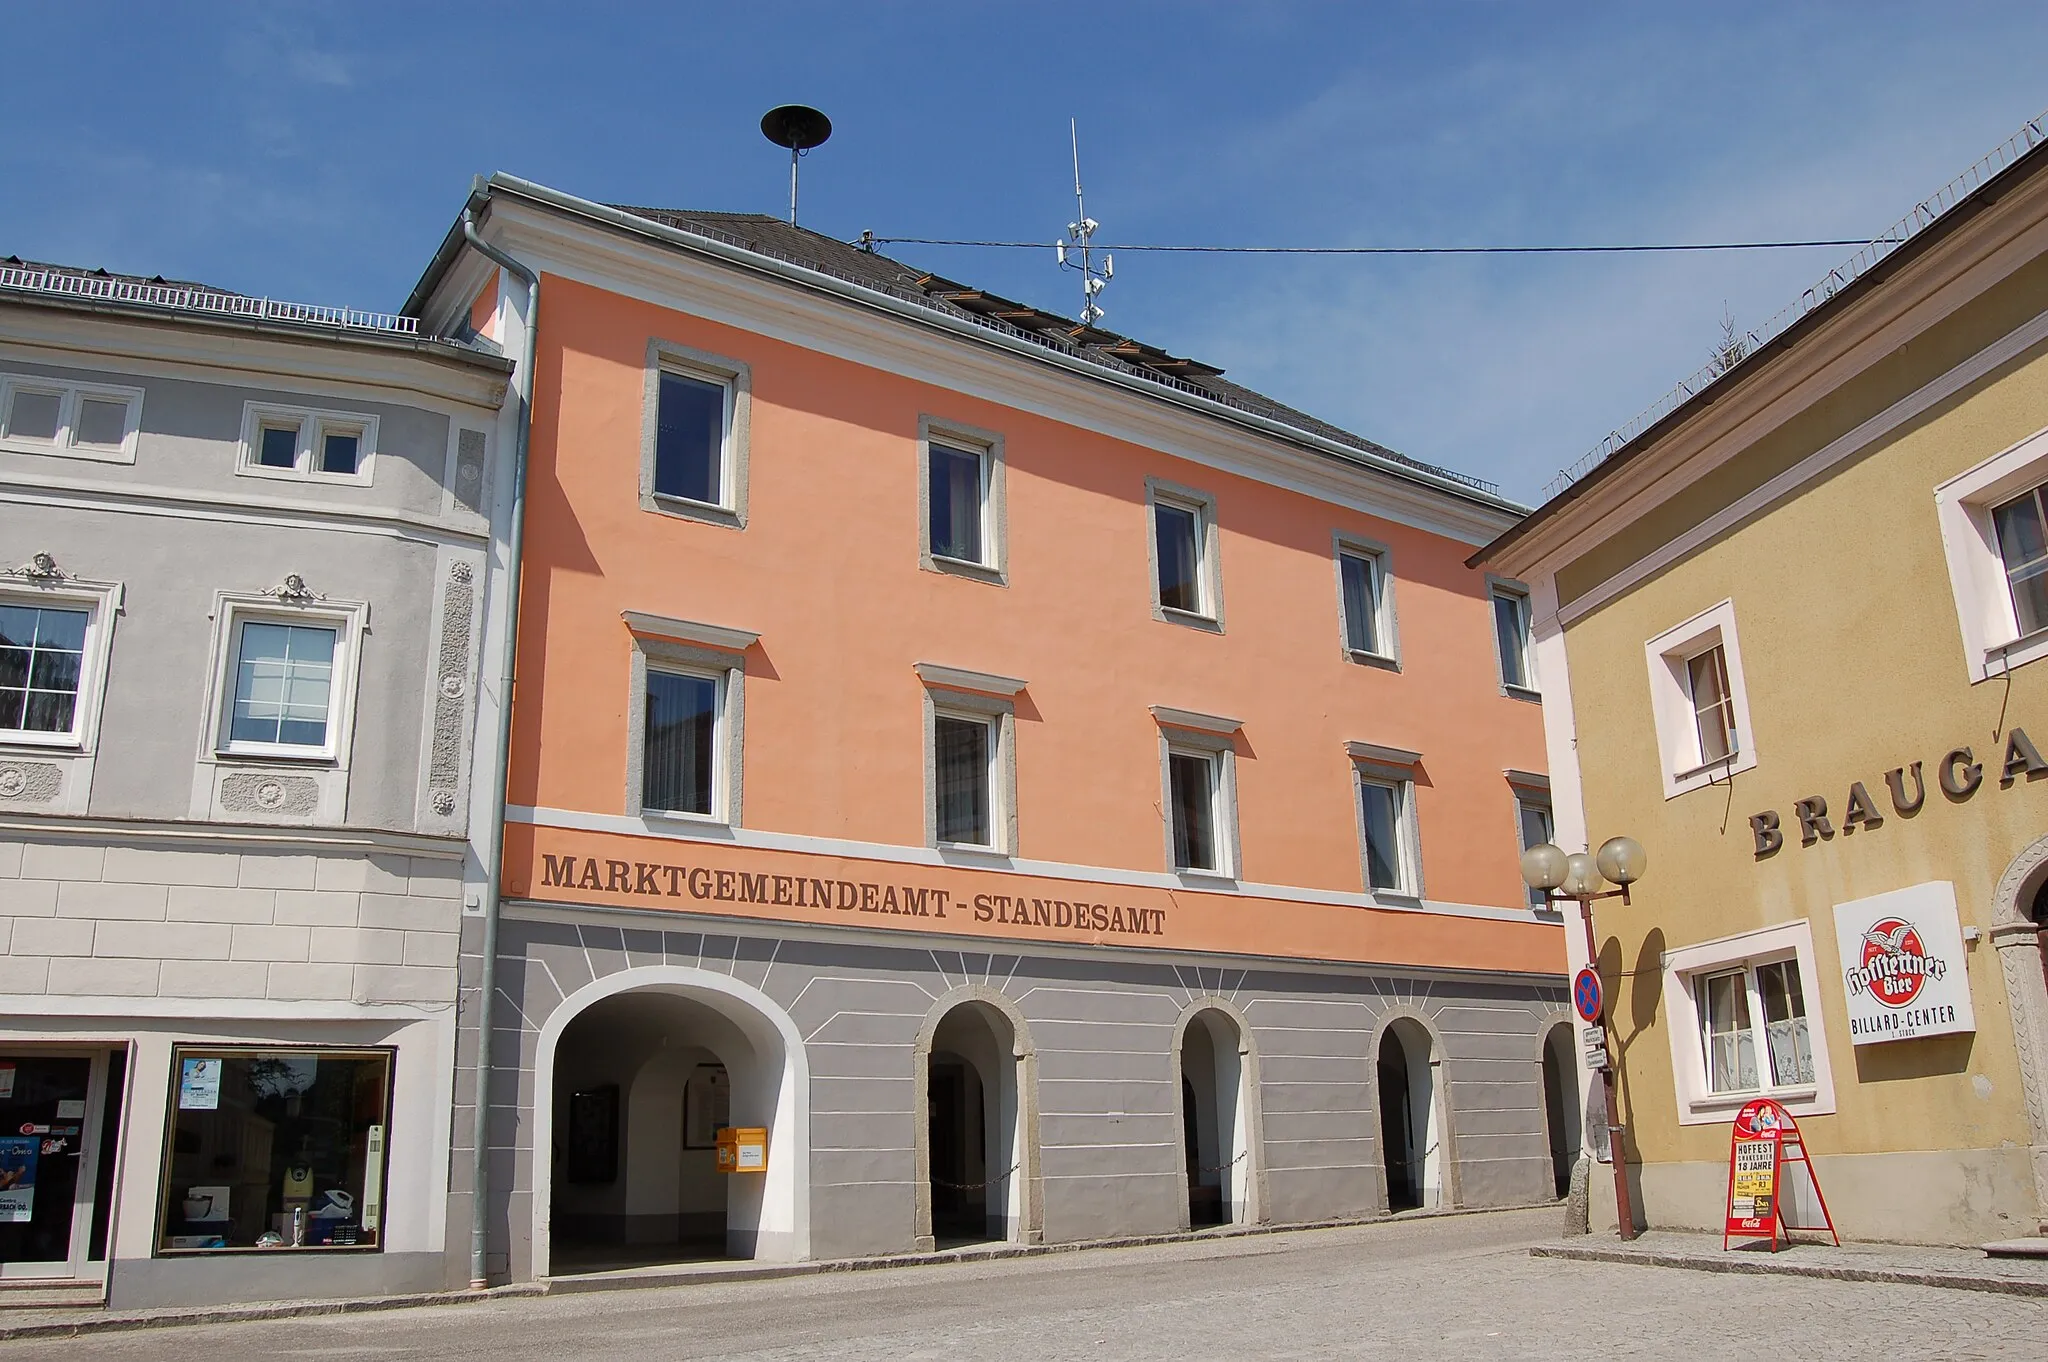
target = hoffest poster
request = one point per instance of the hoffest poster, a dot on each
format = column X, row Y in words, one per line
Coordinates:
column 18, row 1155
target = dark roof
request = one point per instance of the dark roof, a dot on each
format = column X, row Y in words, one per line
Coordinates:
column 80, row 272
column 772, row 236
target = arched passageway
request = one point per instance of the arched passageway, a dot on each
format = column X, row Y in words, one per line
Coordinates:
column 974, row 1128
column 640, row 1083
column 1215, row 1119
column 1561, row 1105
column 1411, row 1120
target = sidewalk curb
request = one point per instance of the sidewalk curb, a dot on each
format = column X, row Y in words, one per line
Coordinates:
column 267, row 1310
column 1756, row 1266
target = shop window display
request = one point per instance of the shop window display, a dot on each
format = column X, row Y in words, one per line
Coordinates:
column 276, row 1150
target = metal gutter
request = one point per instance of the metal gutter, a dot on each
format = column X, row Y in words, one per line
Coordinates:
column 876, row 300
column 494, row 830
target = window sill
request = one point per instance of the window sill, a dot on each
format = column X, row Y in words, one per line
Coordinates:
column 57, row 451
column 1384, row 661
column 2004, row 657
column 361, row 478
column 1399, row 898
column 1205, row 879
column 703, row 823
column 967, row 853
column 257, row 756
column 42, row 742
column 1188, row 618
column 1720, row 1107
column 963, row 567
column 1713, row 773
column 688, row 508
column 1534, row 697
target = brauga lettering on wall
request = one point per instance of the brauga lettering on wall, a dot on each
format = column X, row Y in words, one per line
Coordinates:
column 653, row 880
column 1959, row 773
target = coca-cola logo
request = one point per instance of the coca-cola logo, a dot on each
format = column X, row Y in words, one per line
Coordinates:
column 1894, row 965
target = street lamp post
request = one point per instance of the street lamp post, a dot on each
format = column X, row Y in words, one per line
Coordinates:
column 1577, row 878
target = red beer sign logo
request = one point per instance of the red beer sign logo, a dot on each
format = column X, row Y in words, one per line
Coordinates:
column 1894, row 963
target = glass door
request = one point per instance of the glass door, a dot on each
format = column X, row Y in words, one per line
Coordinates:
column 50, row 1108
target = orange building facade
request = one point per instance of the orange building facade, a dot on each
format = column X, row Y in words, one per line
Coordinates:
column 1049, row 791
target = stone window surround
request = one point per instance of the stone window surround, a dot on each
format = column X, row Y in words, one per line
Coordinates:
column 1385, row 618
column 737, row 378
column 686, row 648
column 955, row 693
column 69, row 758
column 1374, row 764
column 312, row 423
column 328, row 768
column 1532, row 789
column 71, row 394
column 1992, row 643
column 1208, row 549
column 1214, row 738
column 995, row 514
column 1786, row 941
column 1678, row 742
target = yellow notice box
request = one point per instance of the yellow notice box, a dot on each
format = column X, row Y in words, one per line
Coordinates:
column 742, row 1149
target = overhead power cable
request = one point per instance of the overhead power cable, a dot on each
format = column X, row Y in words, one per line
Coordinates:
column 867, row 240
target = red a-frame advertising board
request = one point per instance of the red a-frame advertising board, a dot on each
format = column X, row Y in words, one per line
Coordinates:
column 1769, row 1177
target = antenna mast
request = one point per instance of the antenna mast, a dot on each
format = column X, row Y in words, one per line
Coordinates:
column 1080, row 237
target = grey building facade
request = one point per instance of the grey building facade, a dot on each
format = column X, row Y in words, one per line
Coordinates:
column 244, row 559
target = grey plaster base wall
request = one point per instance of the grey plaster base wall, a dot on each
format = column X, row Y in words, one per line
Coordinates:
column 151, row 1283
column 1101, row 1032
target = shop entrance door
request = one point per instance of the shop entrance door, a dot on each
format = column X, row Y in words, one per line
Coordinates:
column 52, row 1192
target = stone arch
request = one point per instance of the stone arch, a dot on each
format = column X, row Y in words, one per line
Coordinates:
column 1026, row 1196
column 1563, row 1111
column 782, row 1213
column 1248, row 1195
column 2022, row 949
column 1437, row 1136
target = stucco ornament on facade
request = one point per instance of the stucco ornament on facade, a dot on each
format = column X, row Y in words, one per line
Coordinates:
column 40, row 567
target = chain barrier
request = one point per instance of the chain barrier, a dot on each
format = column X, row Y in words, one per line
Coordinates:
column 1221, row 1167
column 938, row 1181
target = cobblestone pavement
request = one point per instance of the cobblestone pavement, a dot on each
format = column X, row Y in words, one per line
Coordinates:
column 1459, row 1287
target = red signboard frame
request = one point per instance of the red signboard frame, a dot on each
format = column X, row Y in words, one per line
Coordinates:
column 1763, row 1142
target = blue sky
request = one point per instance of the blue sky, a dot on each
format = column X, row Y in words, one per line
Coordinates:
column 318, row 152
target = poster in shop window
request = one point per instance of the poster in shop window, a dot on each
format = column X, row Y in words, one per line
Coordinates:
column 1903, row 970
column 199, row 1085
column 18, row 1155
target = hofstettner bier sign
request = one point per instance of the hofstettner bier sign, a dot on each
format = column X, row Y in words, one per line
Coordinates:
column 1903, row 970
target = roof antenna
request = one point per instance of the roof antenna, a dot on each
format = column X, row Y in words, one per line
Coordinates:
column 798, row 127
column 1080, row 236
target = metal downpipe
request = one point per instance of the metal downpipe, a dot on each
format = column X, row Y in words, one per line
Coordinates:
column 493, row 862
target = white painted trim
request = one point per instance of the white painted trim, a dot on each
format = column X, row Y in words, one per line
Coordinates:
column 959, row 678
column 898, row 337
column 1194, row 720
column 2007, row 348
column 1696, row 1105
column 1992, row 642
column 758, row 840
column 227, row 507
column 686, row 631
column 311, row 423
column 226, row 834
column 1528, row 780
column 789, row 1152
column 1679, row 758
column 70, row 394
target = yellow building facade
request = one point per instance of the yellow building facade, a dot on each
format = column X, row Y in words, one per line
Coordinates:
column 1787, row 637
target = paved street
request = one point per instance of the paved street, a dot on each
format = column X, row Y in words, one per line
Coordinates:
column 1461, row 1287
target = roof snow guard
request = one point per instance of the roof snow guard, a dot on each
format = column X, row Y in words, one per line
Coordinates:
column 1924, row 215
column 113, row 288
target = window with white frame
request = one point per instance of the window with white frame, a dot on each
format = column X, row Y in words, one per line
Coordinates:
column 1534, row 823
column 685, row 716
column 1748, row 1030
column 72, row 420
column 42, row 668
column 1186, row 586
column 1195, row 787
column 1389, row 846
column 680, row 742
column 960, row 493
column 970, row 727
column 1994, row 536
column 299, row 443
column 1198, row 778
column 284, row 695
column 1511, row 639
column 1700, row 702
column 1364, row 601
column 694, row 445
